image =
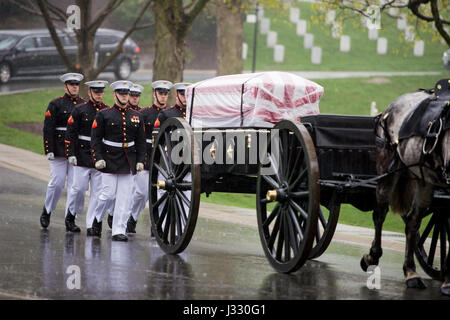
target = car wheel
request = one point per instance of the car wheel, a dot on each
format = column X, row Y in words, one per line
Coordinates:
column 123, row 70
column 5, row 73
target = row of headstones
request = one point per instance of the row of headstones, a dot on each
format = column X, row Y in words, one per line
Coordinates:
column 272, row 37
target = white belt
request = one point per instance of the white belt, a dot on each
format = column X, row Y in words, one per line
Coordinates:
column 85, row 138
column 61, row 128
column 149, row 141
column 118, row 144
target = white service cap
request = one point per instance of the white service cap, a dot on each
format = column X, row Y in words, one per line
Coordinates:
column 97, row 83
column 121, row 85
column 181, row 85
column 72, row 77
column 136, row 88
column 162, row 84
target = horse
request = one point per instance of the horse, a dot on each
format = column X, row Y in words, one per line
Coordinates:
column 406, row 183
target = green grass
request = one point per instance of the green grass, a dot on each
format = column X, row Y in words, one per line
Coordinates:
column 362, row 56
column 342, row 96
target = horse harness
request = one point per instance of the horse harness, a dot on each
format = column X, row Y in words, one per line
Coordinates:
column 429, row 119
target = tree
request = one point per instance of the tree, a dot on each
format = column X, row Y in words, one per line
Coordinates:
column 55, row 18
column 436, row 14
column 173, row 20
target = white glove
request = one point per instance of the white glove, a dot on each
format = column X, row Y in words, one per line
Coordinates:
column 50, row 156
column 139, row 166
column 73, row 160
column 100, row 164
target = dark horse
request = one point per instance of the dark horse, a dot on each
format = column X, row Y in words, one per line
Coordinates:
column 409, row 186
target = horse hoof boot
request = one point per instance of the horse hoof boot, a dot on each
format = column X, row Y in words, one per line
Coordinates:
column 445, row 289
column 365, row 262
column 415, row 283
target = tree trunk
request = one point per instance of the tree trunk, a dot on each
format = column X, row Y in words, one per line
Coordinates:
column 229, row 37
column 168, row 63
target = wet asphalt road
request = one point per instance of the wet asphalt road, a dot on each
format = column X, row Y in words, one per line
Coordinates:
column 223, row 261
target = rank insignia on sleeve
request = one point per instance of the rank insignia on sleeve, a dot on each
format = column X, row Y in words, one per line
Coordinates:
column 48, row 114
column 70, row 121
column 157, row 123
column 94, row 124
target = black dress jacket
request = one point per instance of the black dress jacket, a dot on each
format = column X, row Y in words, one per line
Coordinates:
column 55, row 123
column 149, row 115
column 78, row 135
column 118, row 137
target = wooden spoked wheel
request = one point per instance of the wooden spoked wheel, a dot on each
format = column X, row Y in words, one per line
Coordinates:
column 174, row 185
column 287, row 197
column 326, row 226
column 439, row 228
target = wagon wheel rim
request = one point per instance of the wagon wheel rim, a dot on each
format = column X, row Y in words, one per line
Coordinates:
column 439, row 228
column 326, row 226
column 174, row 187
column 287, row 232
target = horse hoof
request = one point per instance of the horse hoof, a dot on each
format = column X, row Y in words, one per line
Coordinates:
column 365, row 262
column 445, row 289
column 415, row 283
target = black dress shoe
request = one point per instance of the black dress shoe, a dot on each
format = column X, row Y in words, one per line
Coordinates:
column 96, row 228
column 110, row 220
column 90, row 232
column 70, row 223
column 120, row 237
column 45, row 218
column 131, row 225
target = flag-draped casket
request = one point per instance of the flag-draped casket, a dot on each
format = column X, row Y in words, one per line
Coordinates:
column 251, row 100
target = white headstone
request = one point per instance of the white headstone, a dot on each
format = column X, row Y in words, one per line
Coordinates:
column 244, row 51
column 345, row 44
column 308, row 41
column 278, row 53
column 271, row 39
column 401, row 22
column 301, row 27
column 409, row 33
column 331, row 15
column 316, row 55
column 393, row 11
column 294, row 14
column 264, row 26
column 382, row 44
column 419, row 48
column 260, row 13
column 336, row 30
column 373, row 34
column 251, row 18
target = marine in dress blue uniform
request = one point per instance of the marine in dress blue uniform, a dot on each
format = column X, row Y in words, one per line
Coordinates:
column 78, row 148
column 118, row 143
column 161, row 90
column 55, row 126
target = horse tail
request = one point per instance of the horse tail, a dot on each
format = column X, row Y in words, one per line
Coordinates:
column 402, row 193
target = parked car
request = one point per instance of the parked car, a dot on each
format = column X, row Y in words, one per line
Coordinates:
column 32, row 52
column 446, row 59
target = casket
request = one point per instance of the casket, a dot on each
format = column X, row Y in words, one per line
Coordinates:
column 251, row 100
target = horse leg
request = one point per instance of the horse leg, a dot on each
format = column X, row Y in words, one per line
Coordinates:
column 445, row 288
column 376, row 251
column 412, row 224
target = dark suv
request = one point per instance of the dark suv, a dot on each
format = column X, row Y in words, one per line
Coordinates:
column 32, row 52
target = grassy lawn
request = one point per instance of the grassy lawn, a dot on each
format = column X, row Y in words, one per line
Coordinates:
column 342, row 96
column 362, row 55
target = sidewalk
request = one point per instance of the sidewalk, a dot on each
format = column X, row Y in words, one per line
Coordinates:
column 36, row 166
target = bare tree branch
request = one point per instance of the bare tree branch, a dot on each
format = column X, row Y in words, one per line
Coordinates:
column 32, row 9
column 54, row 35
column 103, row 13
column 119, row 47
column 438, row 21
